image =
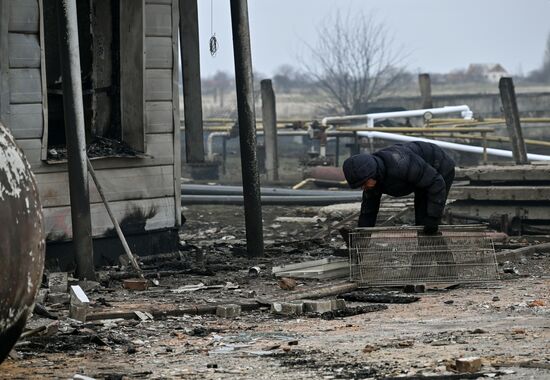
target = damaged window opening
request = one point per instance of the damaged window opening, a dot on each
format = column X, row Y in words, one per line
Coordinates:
column 99, row 41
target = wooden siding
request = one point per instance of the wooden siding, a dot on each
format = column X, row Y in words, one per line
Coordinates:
column 158, row 20
column 118, row 185
column 158, row 52
column 24, row 16
column 24, row 50
column 26, row 121
column 158, row 84
column 159, row 117
column 134, row 215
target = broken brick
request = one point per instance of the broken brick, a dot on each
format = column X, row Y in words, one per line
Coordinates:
column 228, row 311
column 317, row 306
column 471, row 364
column 288, row 308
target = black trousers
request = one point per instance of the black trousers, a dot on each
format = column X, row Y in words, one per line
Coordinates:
column 433, row 257
column 421, row 200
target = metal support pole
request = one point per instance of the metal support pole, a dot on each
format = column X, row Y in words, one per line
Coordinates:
column 484, row 143
column 269, row 120
column 511, row 113
column 191, row 77
column 425, row 85
column 247, row 128
column 76, row 141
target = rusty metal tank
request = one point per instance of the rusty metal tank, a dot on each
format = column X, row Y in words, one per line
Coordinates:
column 21, row 241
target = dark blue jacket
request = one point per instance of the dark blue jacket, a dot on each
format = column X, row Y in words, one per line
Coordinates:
column 400, row 170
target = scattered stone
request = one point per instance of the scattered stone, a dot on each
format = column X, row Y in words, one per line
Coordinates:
column 287, row 283
column 317, row 306
column 511, row 270
column 131, row 350
column 211, row 365
column 293, row 343
column 518, row 331
column 79, row 304
column 405, row 343
column 370, row 348
column 58, row 282
column 338, row 304
column 536, row 303
column 478, row 331
column 143, row 316
column 415, row 288
column 251, row 294
column 288, row 308
column 471, row 364
column 228, row 311
column 496, row 298
column 449, row 302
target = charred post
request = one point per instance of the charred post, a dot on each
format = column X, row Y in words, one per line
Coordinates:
column 76, row 140
column 511, row 114
column 269, row 121
column 247, row 128
column 191, row 76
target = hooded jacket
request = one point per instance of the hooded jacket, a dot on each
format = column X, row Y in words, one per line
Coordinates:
column 400, row 170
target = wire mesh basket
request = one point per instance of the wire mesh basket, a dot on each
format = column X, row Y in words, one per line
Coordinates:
column 402, row 256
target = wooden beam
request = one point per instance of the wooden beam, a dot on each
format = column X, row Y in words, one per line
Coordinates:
column 511, row 113
column 425, row 85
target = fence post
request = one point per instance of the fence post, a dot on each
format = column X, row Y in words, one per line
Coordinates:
column 511, row 114
column 425, row 84
column 269, row 120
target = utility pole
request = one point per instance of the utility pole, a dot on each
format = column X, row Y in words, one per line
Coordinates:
column 247, row 128
column 269, row 121
column 191, row 78
column 76, row 139
column 511, row 114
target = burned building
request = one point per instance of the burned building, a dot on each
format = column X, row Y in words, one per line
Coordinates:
column 129, row 68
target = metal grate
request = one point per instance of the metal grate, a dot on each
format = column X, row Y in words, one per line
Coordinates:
column 402, row 256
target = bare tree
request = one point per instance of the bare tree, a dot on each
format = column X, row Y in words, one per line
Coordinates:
column 543, row 74
column 353, row 60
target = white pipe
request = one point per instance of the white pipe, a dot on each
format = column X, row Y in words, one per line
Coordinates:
column 464, row 110
column 450, row 145
column 210, row 143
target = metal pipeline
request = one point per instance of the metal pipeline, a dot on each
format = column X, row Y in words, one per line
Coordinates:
column 450, row 145
column 192, row 189
column 464, row 110
column 294, row 200
column 22, row 237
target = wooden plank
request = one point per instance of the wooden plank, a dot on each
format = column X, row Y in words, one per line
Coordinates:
column 26, row 121
column 160, row 148
column 490, row 209
column 44, row 152
column 137, row 216
column 25, row 86
column 118, row 184
column 132, row 68
column 158, row 20
column 158, row 84
column 501, row 193
column 4, row 62
column 159, row 117
column 506, row 173
column 24, row 50
column 24, row 16
column 175, row 111
column 158, row 52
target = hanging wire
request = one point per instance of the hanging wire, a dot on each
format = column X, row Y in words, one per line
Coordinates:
column 213, row 43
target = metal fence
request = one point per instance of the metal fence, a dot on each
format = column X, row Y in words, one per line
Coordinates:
column 402, row 256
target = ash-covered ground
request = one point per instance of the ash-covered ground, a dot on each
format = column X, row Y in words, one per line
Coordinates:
column 506, row 323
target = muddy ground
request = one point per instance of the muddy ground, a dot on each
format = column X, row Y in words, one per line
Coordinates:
column 506, row 323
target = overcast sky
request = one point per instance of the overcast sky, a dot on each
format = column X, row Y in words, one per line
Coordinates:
column 438, row 35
